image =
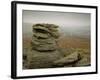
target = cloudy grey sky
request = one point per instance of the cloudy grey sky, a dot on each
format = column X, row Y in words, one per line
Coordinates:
column 66, row 20
column 60, row 18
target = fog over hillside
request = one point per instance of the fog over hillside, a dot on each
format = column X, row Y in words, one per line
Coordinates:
column 70, row 24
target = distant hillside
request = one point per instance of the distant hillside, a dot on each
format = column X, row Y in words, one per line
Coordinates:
column 74, row 42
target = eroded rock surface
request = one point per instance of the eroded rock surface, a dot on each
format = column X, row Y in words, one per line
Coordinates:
column 44, row 37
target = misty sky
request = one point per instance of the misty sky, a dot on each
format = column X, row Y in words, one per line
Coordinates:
column 61, row 18
column 66, row 20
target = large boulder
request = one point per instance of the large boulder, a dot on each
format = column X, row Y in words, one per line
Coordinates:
column 72, row 58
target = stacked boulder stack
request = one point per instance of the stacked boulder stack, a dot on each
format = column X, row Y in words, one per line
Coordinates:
column 44, row 46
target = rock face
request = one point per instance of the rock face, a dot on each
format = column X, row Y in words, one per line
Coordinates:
column 45, row 52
